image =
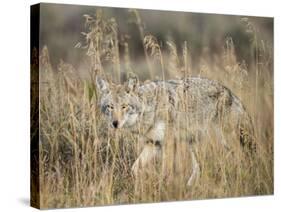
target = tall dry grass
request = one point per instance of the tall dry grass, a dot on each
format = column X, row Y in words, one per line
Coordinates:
column 83, row 163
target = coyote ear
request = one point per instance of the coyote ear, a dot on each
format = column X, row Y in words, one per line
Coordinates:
column 132, row 82
column 102, row 85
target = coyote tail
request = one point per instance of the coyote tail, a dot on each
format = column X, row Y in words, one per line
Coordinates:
column 247, row 133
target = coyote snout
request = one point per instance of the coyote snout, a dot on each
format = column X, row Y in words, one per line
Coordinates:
column 115, row 123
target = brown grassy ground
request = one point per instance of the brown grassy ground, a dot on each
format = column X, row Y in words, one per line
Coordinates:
column 82, row 163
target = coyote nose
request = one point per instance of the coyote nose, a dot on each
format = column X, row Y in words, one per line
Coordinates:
column 115, row 124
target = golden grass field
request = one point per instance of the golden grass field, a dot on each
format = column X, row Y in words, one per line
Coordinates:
column 83, row 163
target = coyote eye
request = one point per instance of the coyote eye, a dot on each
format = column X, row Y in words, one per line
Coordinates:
column 124, row 107
column 109, row 107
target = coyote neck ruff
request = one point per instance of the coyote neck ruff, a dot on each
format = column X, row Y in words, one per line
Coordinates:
column 195, row 104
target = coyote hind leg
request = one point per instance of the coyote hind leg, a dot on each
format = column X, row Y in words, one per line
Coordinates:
column 195, row 168
column 220, row 136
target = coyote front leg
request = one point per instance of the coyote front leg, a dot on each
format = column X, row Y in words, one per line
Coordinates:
column 150, row 153
column 152, row 148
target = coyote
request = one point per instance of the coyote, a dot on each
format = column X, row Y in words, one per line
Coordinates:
column 197, row 104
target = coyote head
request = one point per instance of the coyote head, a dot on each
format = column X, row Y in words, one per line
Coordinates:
column 119, row 103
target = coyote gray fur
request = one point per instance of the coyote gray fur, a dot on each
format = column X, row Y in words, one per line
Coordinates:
column 196, row 104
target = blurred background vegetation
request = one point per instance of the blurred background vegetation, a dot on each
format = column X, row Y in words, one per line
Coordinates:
column 204, row 34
